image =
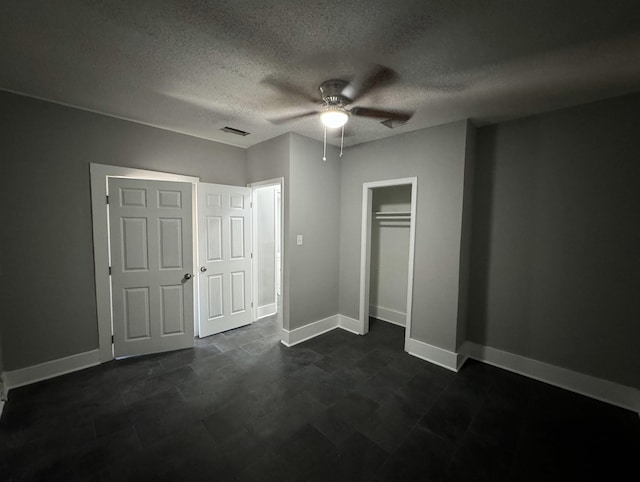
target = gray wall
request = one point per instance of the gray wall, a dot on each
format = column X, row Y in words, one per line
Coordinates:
column 271, row 160
column 555, row 258
column 46, row 266
column 467, row 229
column 311, row 208
column 315, row 213
column 437, row 157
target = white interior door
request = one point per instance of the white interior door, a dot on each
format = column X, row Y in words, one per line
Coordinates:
column 151, row 249
column 224, row 254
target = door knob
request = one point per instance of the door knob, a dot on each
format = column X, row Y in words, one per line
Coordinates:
column 203, row 269
column 187, row 276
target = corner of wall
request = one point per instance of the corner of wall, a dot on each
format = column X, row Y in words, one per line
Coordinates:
column 314, row 212
column 466, row 232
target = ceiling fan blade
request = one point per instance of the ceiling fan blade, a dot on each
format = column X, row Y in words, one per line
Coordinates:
column 359, row 86
column 290, row 90
column 283, row 120
column 382, row 114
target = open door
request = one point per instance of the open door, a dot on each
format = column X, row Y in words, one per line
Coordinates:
column 150, row 224
column 224, row 254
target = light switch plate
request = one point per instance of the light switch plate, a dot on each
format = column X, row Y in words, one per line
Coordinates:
column 299, row 240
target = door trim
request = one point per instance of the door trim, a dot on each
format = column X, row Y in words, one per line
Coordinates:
column 101, row 255
column 365, row 250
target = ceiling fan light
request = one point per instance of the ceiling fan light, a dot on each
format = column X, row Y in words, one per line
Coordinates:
column 334, row 117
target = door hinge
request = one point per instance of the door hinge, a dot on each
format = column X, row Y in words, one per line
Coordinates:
column 107, row 199
column 109, row 270
column 251, row 255
column 252, row 304
column 112, row 339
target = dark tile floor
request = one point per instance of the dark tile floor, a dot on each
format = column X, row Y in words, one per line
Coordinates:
column 241, row 406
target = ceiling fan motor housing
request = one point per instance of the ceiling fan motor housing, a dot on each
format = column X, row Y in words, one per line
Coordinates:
column 331, row 92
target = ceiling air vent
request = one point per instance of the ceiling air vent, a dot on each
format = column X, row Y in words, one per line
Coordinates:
column 393, row 123
column 237, row 132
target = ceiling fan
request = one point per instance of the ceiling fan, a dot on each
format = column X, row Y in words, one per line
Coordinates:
column 336, row 95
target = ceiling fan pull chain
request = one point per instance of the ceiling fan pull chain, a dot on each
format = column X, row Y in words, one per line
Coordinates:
column 324, row 152
column 341, row 140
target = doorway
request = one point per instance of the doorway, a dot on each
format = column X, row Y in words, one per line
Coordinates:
column 267, row 248
column 100, row 176
column 390, row 253
column 388, row 222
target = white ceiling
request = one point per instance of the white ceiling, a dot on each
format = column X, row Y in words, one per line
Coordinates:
column 197, row 66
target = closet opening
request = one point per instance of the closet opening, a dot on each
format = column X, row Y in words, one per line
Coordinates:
column 387, row 252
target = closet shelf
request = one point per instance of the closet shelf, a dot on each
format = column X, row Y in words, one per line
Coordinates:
column 393, row 215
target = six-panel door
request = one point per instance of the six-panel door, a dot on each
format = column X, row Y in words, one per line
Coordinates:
column 151, row 245
column 224, row 244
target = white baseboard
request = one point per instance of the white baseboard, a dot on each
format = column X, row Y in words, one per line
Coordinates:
column 462, row 359
column 306, row 332
column 433, row 354
column 349, row 324
column 266, row 310
column 598, row 388
column 50, row 369
column 387, row 314
column 3, row 387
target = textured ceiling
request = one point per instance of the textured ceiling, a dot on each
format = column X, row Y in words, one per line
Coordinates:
column 197, row 66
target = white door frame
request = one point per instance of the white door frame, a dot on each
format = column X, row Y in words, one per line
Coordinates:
column 101, row 255
column 365, row 249
column 279, row 181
